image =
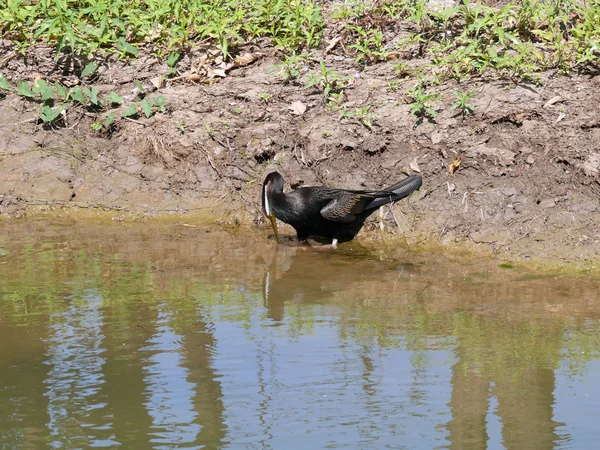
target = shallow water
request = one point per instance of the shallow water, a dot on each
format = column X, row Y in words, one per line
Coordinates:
column 165, row 336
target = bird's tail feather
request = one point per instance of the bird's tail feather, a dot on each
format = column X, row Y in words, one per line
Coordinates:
column 401, row 190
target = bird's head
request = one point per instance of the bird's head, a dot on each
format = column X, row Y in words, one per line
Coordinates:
column 273, row 184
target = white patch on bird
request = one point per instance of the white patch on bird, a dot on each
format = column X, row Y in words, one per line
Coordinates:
column 334, row 243
column 267, row 206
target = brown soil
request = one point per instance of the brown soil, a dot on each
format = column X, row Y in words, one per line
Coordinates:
column 527, row 186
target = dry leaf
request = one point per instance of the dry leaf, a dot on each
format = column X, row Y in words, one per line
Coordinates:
column 454, row 165
column 414, row 165
column 157, row 82
column 393, row 55
column 245, row 59
column 202, row 60
column 217, row 73
column 332, row 44
column 298, row 108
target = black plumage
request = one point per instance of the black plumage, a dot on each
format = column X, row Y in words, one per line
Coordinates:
column 328, row 213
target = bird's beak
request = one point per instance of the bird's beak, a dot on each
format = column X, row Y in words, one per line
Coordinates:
column 274, row 225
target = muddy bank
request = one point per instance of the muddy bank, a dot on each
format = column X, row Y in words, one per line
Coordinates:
column 527, row 185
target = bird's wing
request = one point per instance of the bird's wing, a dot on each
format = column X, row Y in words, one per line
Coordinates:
column 344, row 205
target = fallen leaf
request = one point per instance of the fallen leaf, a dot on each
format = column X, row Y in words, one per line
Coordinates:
column 298, row 108
column 454, row 165
column 218, row 73
column 332, row 44
column 202, row 60
column 157, row 82
column 393, row 55
column 414, row 165
column 245, row 59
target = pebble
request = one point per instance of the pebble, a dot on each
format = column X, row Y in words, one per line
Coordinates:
column 548, row 203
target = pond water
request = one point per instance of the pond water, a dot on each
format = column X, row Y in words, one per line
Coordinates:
column 168, row 336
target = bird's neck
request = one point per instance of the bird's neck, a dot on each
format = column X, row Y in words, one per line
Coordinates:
column 282, row 205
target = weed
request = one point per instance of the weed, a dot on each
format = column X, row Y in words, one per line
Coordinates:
column 394, row 86
column 120, row 27
column 368, row 45
column 422, row 105
column 350, row 9
column 329, row 81
column 89, row 69
column 50, row 114
column 402, row 69
column 264, row 96
column 462, row 102
column 362, row 114
column 290, row 67
column 4, row 84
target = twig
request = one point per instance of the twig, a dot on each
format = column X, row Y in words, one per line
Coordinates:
column 7, row 58
column 134, row 121
column 212, row 164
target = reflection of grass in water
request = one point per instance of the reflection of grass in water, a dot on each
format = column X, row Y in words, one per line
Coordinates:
column 41, row 276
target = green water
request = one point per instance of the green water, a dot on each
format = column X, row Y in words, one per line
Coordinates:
column 163, row 336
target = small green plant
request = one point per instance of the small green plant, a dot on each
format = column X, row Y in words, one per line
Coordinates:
column 151, row 106
column 362, row 114
column 131, row 111
column 140, row 88
column 92, row 94
column 77, row 95
column 125, row 48
column 462, row 102
column 290, row 67
column 114, row 98
column 423, row 104
column 335, row 99
column 329, row 81
column 24, row 90
column 264, row 96
column 394, row 86
column 107, row 123
column 50, row 114
column 369, row 45
column 44, row 90
column 402, row 69
column 90, row 68
column 350, row 9
column 172, row 61
column 4, row 84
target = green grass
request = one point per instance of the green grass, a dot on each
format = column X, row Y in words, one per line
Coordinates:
column 125, row 26
column 515, row 43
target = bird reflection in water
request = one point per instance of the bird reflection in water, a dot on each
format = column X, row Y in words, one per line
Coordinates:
column 303, row 276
